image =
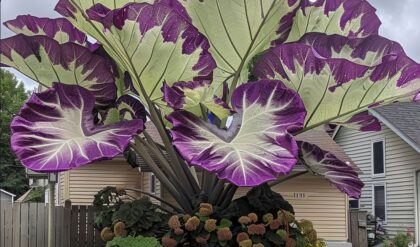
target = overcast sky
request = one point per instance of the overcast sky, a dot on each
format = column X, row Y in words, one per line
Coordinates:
column 400, row 22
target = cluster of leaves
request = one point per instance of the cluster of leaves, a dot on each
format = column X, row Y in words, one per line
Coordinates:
column 252, row 220
column 37, row 194
column 131, row 241
column 118, row 216
column 12, row 96
column 403, row 239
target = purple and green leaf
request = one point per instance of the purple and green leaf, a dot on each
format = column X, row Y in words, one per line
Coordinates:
column 55, row 131
column 335, row 88
column 257, row 147
column 58, row 29
column 325, row 164
column 368, row 51
column 164, row 46
column 191, row 96
column 46, row 61
column 349, row 18
column 362, row 121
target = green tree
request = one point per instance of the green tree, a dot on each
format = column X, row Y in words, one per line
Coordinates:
column 12, row 97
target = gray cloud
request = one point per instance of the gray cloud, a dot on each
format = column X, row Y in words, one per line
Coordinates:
column 400, row 22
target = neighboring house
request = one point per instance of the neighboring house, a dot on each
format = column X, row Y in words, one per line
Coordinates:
column 312, row 197
column 390, row 164
column 7, row 196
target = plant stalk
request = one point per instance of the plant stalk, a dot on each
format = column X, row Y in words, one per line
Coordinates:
column 177, row 209
column 182, row 201
column 287, row 178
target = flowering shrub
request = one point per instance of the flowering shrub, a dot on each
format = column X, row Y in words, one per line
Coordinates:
column 116, row 217
column 208, row 227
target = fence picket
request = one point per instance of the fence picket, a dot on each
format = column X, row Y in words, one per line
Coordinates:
column 33, row 217
column 90, row 235
column 16, row 224
column 74, row 238
column 58, row 223
column 66, row 224
column 2, row 213
column 82, row 225
column 40, row 226
column 24, row 225
column 8, row 226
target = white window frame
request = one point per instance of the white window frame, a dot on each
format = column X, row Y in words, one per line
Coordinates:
column 151, row 183
column 377, row 175
column 385, row 200
column 358, row 203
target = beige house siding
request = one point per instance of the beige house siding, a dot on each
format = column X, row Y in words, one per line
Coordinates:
column 321, row 203
column 146, row 186
column 313, row 198
column 401, row 162
column 80, row 185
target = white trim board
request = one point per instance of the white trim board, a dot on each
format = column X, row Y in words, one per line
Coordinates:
column 403, row 136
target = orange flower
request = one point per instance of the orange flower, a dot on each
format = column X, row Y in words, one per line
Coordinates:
column 210, row 225
column 224, row 234
column 255, row 229
column 173, row 222
column 241, row 237
column 253, row 217
column 192, row 224
column 244, row 220
column 169, row 242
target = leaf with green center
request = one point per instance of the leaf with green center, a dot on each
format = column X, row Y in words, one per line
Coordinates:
column 46, row 61
column 163, row 44
column 58, row 29
column 350, row 18
column 257, row 147
column 55, row 131
column 365, row 51
column 238, row 30
column 335, row 89
column 191, row 96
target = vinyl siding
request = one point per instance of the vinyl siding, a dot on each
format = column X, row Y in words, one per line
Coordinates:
column 324, row 205
column 80, row 185
column 401, row 162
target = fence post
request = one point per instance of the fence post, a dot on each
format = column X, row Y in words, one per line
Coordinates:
column 66, row 224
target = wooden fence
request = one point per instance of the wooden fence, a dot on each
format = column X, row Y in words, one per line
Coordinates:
column 26, row 225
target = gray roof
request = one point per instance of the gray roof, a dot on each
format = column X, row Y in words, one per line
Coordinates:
column 403, row 119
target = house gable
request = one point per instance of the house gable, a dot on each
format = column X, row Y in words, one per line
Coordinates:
column 401, row 162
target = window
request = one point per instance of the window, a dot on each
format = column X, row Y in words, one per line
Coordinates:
column 378, row 158
column 379, row 202
column 354, row 203
column 152, row 183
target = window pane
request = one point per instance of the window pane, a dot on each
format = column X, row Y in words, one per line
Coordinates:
column 152, row 184
column 378, row 157
column 380, row 202
column 354, row 203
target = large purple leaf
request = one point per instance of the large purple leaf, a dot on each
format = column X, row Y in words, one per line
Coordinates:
column 58, row 29
column 335, row 89
column 362, row 121
column 350, row 18
column 368, row 51
column 55, row 131
column 325, row 164
column 155, row 44
column 46, row 61
column 192, row 96
column 257, row 147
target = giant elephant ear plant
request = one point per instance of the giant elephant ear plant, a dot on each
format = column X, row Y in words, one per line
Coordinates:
column 228, row 85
